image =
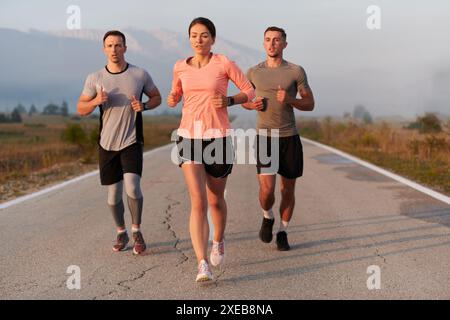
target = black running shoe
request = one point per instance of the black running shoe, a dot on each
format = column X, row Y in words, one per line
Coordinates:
column 265, row 234
column 282, row 241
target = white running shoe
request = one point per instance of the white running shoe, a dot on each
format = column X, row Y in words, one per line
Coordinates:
column 217, row 253
column 204, row 272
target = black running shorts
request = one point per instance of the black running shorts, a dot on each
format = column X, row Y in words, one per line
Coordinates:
column 290, row 156
column 217, row 154
column 113, row 164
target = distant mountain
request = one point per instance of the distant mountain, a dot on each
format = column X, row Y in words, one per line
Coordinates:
column 42, row 67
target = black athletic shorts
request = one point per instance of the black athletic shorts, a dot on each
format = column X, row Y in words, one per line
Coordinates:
column 290, row 156
column 217, row 154
column 113, row 164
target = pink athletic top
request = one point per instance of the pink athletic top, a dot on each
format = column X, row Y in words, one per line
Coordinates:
column 200, row 119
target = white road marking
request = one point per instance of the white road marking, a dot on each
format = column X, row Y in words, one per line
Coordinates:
column 412, row 184
column 66, row 183
column 391, row 175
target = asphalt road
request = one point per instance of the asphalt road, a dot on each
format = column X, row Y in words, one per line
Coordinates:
column 347, row 218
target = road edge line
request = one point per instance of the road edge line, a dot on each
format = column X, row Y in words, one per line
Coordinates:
column 409, row 183
column 30, row 196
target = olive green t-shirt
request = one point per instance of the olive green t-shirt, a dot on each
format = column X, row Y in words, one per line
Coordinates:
column 265, row 80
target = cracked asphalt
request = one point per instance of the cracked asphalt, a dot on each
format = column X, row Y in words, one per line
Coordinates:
column 347, row 218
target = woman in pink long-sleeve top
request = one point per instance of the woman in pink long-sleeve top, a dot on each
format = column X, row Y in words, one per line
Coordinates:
column 204, row 146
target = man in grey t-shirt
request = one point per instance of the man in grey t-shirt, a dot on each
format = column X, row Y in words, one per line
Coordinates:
column 277, row 83
column 117, row 90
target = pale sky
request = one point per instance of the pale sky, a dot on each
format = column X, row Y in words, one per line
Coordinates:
column 329, row 38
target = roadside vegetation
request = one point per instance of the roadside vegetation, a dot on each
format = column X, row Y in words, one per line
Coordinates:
column 419, row 150
column 45, row 148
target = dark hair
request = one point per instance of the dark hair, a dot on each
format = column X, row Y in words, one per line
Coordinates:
column 206, row 22
column 115, row 33
column 283, row 33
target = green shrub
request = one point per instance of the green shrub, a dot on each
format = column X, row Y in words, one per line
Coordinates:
column 429, row 123
column 74, row 134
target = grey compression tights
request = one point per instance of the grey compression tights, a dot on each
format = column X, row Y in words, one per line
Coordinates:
column 134, row 198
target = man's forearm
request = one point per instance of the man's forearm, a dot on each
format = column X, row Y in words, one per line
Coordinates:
column 153, row 102
column 85, row 108
column 304, row 104
column 240, row 98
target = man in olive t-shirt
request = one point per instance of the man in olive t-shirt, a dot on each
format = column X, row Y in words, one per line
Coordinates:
column 277, row 83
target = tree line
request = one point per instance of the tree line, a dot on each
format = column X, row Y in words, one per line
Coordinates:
column 49, row 109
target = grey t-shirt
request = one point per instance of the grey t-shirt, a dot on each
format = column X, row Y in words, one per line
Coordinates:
column 266, row 80
column 118, row 118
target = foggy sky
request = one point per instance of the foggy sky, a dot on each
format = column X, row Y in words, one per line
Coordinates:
column 401, row 69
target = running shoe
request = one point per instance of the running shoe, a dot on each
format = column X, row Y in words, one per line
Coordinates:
column 265, row 234
column 121, row 242
column 217, row 253
column 282, row 241
column 139, row 243
column 204, row 272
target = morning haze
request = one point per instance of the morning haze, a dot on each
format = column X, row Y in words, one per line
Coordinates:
column 401, row 69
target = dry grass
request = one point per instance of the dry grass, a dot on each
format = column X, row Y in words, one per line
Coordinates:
column 421, row 157
column 27, row 148
column 34, row 153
